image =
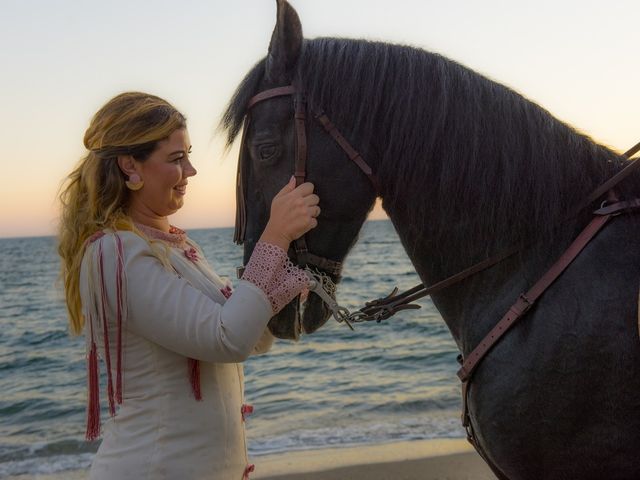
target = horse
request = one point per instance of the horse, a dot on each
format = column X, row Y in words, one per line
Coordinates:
column 466, row 168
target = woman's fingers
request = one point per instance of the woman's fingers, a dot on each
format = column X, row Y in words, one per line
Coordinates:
column 305, row 188
column 312, row 199
column 294, row 211
column 304, row 198
column 314, row 211
column 288, row 188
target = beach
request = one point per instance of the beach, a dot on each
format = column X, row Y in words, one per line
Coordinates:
column 451, row 459
column 442, row 459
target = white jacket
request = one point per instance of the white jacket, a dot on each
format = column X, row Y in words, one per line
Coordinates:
column 161, row 431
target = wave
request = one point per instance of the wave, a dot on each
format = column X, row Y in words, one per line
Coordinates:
column 361, row 434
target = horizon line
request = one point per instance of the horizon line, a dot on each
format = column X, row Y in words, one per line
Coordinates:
column 20, row 237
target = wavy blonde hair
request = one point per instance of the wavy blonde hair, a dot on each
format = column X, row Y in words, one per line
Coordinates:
column 93, row 196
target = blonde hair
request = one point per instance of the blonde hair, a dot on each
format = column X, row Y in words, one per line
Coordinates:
column 94, row 196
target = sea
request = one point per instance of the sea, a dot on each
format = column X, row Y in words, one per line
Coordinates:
column 384, row 382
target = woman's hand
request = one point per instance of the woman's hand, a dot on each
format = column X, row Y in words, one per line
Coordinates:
column 293, row 213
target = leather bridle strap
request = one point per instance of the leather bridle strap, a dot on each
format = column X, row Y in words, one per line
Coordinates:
column 351, row 152
column 526, row 300
column 384, row 308
column 613, row 181
column 322, row 118
column 272, row 92
column 300, row 167
column 300, row 117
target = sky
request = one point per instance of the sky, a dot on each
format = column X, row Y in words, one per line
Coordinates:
column 61, row 61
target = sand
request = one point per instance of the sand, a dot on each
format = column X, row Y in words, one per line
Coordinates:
column 451, row 459
column 444, row 459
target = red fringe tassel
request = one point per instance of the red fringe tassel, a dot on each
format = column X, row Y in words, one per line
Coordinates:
column 93, row 403
column 248, row 469
column 194, row 378
column 105, row 334
column 93, row 374
column 246, row 410
column 120, row 309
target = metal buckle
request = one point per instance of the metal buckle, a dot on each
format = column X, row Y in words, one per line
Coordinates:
column 323, row 286
column 240, row 272
column 606, row 203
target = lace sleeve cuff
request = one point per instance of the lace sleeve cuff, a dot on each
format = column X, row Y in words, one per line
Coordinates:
column 270, row 270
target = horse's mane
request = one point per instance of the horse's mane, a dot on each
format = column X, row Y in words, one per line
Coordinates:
column 446, row 142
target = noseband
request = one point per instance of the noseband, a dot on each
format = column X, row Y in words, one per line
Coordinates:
column 303, row 255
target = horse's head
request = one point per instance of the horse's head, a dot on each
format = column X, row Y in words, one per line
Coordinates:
column 267, row 162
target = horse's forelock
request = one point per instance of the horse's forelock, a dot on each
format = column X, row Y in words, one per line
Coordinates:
column 233, row 116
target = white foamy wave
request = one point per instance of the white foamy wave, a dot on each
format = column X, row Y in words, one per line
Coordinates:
column 359, row 434
column 46, row 465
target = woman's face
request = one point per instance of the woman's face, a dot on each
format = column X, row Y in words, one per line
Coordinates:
column 165, row 175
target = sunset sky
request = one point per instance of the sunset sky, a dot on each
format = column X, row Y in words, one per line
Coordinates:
column 61, row 60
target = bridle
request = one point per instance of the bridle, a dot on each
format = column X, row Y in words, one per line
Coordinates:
column 383, row 308
column 304, row 257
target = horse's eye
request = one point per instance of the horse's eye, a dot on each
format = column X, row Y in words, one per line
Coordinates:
column 267, row 151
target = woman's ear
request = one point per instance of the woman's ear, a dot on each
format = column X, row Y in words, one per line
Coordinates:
column 127, row 164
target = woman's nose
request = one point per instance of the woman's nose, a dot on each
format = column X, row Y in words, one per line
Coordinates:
column 189, row 170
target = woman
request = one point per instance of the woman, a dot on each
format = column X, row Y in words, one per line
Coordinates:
column 171, row 334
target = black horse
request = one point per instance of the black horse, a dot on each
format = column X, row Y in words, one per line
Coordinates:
column 466, row 169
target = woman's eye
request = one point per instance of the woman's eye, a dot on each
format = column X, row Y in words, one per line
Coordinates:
column 267, row 151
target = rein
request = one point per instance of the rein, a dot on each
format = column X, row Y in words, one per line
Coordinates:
column 383, row 308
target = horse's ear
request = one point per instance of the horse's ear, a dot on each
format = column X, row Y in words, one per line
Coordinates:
column 286, row 44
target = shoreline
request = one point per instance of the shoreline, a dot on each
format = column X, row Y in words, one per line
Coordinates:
column 450, row 459
column 438, row 459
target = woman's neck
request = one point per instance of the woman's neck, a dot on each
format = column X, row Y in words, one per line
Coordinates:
column 149, row 219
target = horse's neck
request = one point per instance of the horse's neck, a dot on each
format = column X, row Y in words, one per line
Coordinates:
column 471, row 306
column 451, row 215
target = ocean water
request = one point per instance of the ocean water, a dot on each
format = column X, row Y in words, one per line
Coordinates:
column 382, row 383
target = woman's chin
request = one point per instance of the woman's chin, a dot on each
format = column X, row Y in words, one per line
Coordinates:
column 173, row 207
